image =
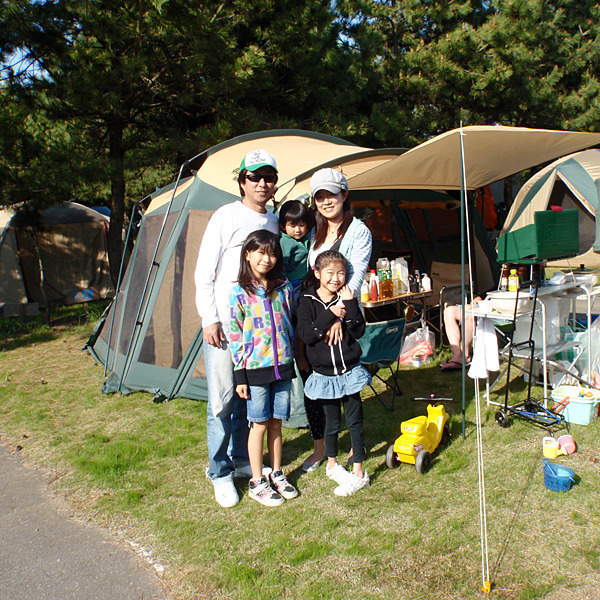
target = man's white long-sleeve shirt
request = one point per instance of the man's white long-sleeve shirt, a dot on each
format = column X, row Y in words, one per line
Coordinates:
column 219, row 258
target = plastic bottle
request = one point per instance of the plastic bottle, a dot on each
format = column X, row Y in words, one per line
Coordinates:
column 364, row 291
column 425, row 283
column 374, row 286
column 396, row 282
column 385, row 278
column 504, row 278
column 513, row 281
column 413, row 284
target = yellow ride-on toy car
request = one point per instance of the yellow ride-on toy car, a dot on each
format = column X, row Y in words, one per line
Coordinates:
column 420, row 437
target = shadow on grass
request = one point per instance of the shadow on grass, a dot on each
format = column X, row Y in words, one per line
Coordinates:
column 16, row 333
column 28, row 339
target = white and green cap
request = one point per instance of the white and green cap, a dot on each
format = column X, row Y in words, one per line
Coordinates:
column 256, row 159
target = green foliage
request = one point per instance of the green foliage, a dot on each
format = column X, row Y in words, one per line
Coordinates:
column 109, row 99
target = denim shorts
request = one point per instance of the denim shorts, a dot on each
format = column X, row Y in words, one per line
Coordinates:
column 269, row 401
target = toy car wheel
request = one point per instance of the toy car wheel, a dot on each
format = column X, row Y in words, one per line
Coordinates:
column 391, row 460
column 502, row 419
column 445, row 435
column 422, row 462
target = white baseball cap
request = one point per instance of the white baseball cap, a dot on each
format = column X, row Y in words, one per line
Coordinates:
column 256, row 159
column 328, row 179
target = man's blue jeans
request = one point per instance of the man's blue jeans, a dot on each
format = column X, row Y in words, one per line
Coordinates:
column 226, row 422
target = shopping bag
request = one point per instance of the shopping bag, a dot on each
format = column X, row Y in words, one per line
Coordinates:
column 420, row 343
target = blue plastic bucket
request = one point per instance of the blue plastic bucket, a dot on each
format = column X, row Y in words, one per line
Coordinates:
column 558, row 478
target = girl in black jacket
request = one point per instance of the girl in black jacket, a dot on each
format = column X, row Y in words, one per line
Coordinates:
column 338, row 377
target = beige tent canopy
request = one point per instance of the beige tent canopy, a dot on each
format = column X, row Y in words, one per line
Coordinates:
column 491, row 153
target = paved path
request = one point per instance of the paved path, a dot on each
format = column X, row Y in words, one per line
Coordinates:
column 45, row 555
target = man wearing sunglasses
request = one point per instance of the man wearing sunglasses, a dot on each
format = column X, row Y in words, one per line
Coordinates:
column 216, row 273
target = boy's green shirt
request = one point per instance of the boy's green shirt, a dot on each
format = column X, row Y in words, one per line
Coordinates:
column 295, row 256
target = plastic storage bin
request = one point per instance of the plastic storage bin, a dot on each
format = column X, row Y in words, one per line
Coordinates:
column 580, row 404
column 551, row 235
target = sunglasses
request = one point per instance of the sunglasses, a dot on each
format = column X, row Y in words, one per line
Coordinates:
column 256, row 177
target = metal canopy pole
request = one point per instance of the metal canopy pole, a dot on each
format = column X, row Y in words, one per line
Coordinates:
column 463, row 218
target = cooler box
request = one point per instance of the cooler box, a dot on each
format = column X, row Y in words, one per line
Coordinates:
column 582, row 405
column 552, row 235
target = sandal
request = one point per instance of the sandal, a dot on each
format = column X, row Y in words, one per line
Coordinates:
column 451, row 365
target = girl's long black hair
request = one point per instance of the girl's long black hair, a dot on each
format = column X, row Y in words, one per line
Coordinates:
column 261, row 239
column 322, row 260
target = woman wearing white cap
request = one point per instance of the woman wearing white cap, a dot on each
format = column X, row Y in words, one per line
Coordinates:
column 336, row 229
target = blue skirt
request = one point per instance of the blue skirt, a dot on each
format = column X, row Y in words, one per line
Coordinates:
column 329, row 387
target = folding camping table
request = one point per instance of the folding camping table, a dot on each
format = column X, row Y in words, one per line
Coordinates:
column 397, row 302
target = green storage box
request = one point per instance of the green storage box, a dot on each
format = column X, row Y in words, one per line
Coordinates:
column 552, row 235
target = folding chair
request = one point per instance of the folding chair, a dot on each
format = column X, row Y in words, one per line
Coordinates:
column 447, row 287
column 381, row 344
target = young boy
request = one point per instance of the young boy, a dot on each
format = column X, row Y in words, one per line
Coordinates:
column 296, row 222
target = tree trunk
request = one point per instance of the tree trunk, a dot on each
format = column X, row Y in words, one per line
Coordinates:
column 117, row 197
column 508, row 192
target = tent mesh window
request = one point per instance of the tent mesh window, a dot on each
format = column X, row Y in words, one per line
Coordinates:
column 175, row 319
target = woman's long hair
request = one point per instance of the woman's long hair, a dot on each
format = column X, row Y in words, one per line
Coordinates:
column 321, row 223
column 261, row 239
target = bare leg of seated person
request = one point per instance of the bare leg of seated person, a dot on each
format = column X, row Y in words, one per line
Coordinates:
column 452, row 324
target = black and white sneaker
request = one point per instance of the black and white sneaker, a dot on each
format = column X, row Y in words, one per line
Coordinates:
column 262, row 492
column 280, row 483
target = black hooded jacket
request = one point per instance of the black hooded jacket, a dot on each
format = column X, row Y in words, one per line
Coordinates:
column 314, row 320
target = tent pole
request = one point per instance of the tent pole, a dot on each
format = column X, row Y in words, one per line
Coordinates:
column 462, row 270
column 136, row 207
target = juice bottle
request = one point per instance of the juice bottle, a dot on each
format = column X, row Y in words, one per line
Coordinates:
column 513, row 281
column 364, row 291
column 385, row 278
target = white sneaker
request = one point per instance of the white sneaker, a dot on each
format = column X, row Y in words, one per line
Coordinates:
column 225, row 493
column 352, row 484
column 337, row 473
column 262, row 492
column 281, row 485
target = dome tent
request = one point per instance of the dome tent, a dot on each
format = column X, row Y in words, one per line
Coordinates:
column 56, row 264
column 570, row 182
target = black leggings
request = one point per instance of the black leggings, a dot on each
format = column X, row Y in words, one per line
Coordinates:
column 315, row 415
column 354, row 421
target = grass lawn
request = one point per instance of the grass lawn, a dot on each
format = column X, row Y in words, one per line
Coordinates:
column 138, row 468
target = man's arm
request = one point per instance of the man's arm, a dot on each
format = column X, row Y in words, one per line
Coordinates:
column 205, row 274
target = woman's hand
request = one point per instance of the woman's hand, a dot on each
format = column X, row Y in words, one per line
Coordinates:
column 243, row 391
column 334, row 334
column 346, row 293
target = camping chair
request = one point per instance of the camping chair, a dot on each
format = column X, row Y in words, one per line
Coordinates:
column 447, row 286
column 381, row 344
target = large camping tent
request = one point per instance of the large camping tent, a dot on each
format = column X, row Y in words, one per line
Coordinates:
column 152, row 339
column 54, row 264
column 569, row 182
